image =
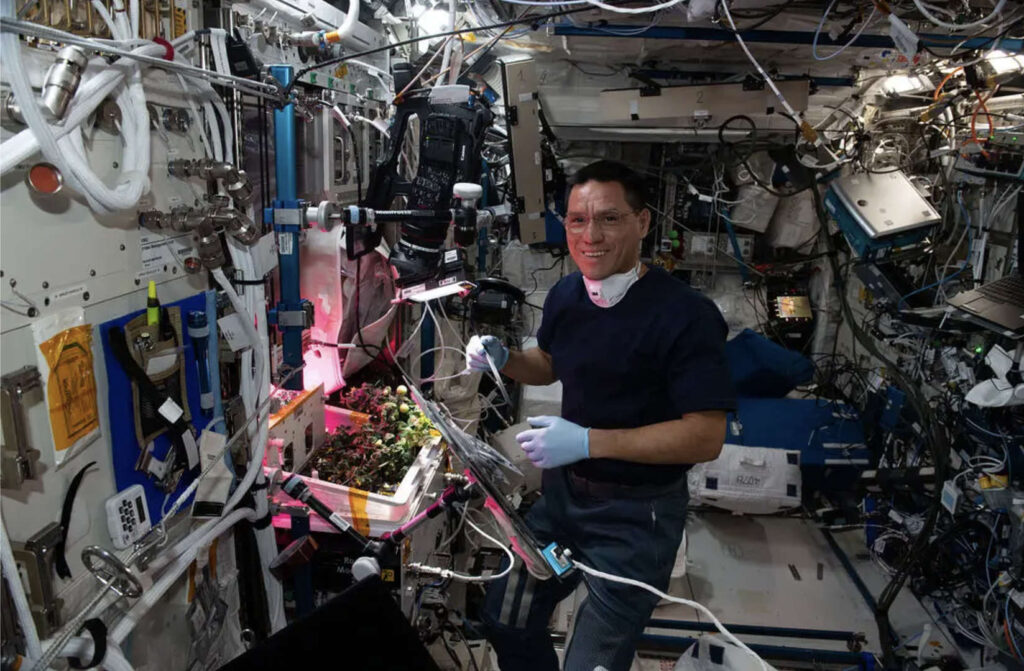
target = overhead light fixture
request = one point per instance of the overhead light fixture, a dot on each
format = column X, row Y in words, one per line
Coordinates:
column 433, row 21
column 1002, row 62
column 897, row 84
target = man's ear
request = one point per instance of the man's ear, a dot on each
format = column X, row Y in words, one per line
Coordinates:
column 645, row 222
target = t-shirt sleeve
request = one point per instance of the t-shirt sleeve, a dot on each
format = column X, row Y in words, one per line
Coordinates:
column 546, row 332
column 698, row 372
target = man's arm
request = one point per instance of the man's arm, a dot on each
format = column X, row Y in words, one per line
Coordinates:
column 697, row 437
column 530, row 367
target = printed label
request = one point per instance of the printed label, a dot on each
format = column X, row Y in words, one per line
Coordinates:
column 233, row 330
column 160, row 252
column 75, row 292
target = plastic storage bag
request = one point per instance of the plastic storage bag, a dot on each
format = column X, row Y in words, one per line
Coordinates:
column 64, row 353
column 753, row 480
column 711, row 653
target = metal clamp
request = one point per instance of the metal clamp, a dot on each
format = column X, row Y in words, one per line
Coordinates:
column 36, row 557
column 19, row 459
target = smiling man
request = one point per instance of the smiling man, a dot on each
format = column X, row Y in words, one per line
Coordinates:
column 645, row 393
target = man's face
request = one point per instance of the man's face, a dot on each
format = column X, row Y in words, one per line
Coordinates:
column 603, row 231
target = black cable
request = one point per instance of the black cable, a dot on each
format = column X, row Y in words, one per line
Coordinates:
column 1015, row 23
column 359, row 165
column 533, row 273
column 932, row 433
column 394, row 45
column 465, row 641
column 359, row 199
column 358, row 340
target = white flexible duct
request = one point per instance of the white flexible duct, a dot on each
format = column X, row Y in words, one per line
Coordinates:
column 73, row 165
column 348, row 26
column 28, row 626
column 254, row 391
column 158, row 589
column 82, row 648
column 450, row 43
column 91, row 94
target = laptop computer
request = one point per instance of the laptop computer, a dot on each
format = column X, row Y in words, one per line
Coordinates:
column 1000, row 303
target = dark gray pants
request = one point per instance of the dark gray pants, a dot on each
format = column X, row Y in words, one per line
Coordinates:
column 635, row 535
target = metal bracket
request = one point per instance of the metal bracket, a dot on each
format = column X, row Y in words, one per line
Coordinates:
column 302, row 318
column 752, row 83
column 36, row 557
column 287, row 216
column 19, row 459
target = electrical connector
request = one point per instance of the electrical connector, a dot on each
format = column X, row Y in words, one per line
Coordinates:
column 558, row 558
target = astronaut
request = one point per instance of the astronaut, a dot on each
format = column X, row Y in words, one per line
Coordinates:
column 646, row 390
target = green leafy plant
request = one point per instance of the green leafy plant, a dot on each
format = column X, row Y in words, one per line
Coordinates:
column 375, row 456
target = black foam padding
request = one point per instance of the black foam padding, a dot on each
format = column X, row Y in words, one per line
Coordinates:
column 361, row 628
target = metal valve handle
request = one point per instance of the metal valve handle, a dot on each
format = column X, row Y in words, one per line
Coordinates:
column 110, row 571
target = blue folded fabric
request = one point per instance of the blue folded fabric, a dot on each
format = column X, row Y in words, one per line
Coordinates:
column 761, row 368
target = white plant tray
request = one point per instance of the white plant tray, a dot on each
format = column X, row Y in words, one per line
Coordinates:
column 370, row 513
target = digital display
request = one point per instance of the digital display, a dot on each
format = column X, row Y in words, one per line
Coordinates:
column 140, row 508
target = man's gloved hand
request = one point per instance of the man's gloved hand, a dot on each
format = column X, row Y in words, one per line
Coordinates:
column 554, row 441
column 477, row 350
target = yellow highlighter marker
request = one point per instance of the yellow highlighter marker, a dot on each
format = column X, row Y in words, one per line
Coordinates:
column 152, row 305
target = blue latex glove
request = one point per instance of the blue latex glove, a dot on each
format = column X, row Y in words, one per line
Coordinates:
column 554, row 441
column 478, row 347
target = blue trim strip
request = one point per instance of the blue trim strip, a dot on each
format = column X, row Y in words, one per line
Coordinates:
column 775, row 37
column 783, row 632
column 284, row 139
column 680, row 74
column 681, row 643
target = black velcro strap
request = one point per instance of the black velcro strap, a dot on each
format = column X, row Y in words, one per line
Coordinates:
column 257, row 486
column 131, row 367
column 262, row 523
column 98, row 631
column 60, row 562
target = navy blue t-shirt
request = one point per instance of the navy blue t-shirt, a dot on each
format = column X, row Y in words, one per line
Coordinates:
column 653, row 357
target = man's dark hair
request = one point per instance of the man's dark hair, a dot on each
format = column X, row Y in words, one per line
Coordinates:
column 632, row 182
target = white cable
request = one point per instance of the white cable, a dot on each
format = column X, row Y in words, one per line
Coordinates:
column 448, row 574
column 497, row 378
column 156, row 591
column 33, row 649
column 458, row 527
column 957, row 26
column 821, row 24
column 750, row 57
column 440, row 336
column 675, row 599
column 634, row 10
column 536, row 3
column 203, row 137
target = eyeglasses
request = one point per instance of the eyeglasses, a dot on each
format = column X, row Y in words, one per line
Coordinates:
column 609, row 222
